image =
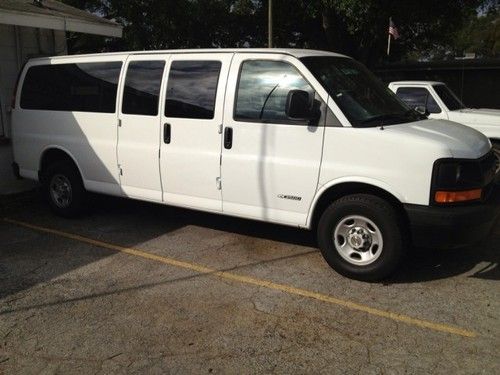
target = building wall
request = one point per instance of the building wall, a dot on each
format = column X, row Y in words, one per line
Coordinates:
column 17, row 45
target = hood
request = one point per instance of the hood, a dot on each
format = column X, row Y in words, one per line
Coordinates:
column 481, row 116
column 458, row 140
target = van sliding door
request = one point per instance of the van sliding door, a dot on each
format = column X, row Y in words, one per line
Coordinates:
column 191, row 128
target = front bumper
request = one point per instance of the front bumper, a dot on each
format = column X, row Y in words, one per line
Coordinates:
column 449, row 227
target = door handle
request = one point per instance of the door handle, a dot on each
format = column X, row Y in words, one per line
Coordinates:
column 166, row 133
column 228, row 138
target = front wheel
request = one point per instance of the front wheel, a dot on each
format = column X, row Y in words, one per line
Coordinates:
column 361, row 237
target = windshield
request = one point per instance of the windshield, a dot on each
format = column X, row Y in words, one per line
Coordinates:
column 448, row 97
column 364, row 100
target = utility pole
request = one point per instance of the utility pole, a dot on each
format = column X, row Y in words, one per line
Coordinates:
column 270, row 25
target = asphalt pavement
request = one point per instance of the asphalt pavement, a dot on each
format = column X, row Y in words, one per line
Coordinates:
column 133, row 287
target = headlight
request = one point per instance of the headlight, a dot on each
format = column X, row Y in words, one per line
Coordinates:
column 451, row 174
column 456, row 180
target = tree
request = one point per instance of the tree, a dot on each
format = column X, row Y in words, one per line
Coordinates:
column 358, row 28
column 481, row 34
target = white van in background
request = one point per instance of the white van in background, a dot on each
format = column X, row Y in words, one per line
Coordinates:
column 297, row 137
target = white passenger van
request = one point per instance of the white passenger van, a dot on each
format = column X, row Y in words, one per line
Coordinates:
column 297, row 137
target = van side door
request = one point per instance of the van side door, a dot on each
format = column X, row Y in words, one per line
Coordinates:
column 270, row 162
column 139, row 127
column 191, row 129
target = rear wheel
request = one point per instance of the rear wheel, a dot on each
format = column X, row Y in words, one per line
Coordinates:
column 361, row 237
column 64, row 189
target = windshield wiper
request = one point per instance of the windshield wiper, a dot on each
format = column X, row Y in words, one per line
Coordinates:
column 385, row 117
column 394, row 118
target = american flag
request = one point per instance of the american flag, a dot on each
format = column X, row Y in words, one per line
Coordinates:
column 393, row 30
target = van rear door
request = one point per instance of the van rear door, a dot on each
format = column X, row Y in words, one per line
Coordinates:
column 139, row 127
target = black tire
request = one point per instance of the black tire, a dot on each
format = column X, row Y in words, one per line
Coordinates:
column 384, row 232
column 71, row 199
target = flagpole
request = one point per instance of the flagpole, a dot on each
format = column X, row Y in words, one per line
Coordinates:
column 389, row 45
column 270, row 25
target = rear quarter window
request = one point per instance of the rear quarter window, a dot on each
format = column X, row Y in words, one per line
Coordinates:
column 84, row 87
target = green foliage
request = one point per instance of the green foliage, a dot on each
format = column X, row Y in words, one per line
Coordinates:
column 481, row 35
column 429, row 29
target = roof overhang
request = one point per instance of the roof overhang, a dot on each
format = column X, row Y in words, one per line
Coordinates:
column 44, row 21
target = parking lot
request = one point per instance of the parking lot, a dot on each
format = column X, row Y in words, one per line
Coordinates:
column 136, row 287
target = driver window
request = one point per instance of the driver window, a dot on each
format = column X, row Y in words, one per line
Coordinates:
column 263, row 88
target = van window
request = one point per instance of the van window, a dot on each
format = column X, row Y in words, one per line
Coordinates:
column 363, row 98
column 263, row 89
column 191, row 89
column 418, row 97
column 142, row 87
column 84, row 87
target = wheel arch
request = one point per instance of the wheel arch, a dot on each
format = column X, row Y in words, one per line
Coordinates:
column 52, row 154
column 333, row 191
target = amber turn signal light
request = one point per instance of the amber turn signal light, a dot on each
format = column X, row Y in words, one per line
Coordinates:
column 457, row 196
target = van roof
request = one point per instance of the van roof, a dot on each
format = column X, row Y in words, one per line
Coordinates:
column 287, row 51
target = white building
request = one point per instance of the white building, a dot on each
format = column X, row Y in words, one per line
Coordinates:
column 31, row 28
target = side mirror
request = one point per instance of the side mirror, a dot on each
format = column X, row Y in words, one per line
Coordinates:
column 299, row 105
column 422, row 110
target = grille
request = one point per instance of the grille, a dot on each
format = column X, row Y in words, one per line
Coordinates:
column 488, row 167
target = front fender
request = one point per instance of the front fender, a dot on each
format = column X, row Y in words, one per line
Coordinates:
column 350, row 180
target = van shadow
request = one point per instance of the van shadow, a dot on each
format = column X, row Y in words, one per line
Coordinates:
column 171, row 218
column 480, row 261
column 29, row 258
column 420, row 265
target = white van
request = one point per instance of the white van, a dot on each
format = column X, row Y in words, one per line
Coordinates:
column 297, row 137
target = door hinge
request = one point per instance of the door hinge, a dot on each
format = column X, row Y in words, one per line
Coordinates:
column 218, row 183
column 120, row 170
column 220, row 128
column 119, row 122
column 159, row 153
column 220, row 159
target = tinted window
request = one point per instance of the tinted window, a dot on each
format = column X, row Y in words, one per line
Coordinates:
column 263, row 89
column 418, row 97
column 448, row 97
column 191, row 90
column 86, row 87
column 142, row 87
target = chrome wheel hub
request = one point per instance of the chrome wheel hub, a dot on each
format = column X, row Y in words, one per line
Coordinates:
column 358, row 240
column 60, row 191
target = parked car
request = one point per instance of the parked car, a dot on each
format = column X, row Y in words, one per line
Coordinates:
column 304, row 138
column 436, row 100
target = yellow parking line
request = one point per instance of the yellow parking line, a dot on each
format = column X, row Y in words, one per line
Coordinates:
column 254, row 281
